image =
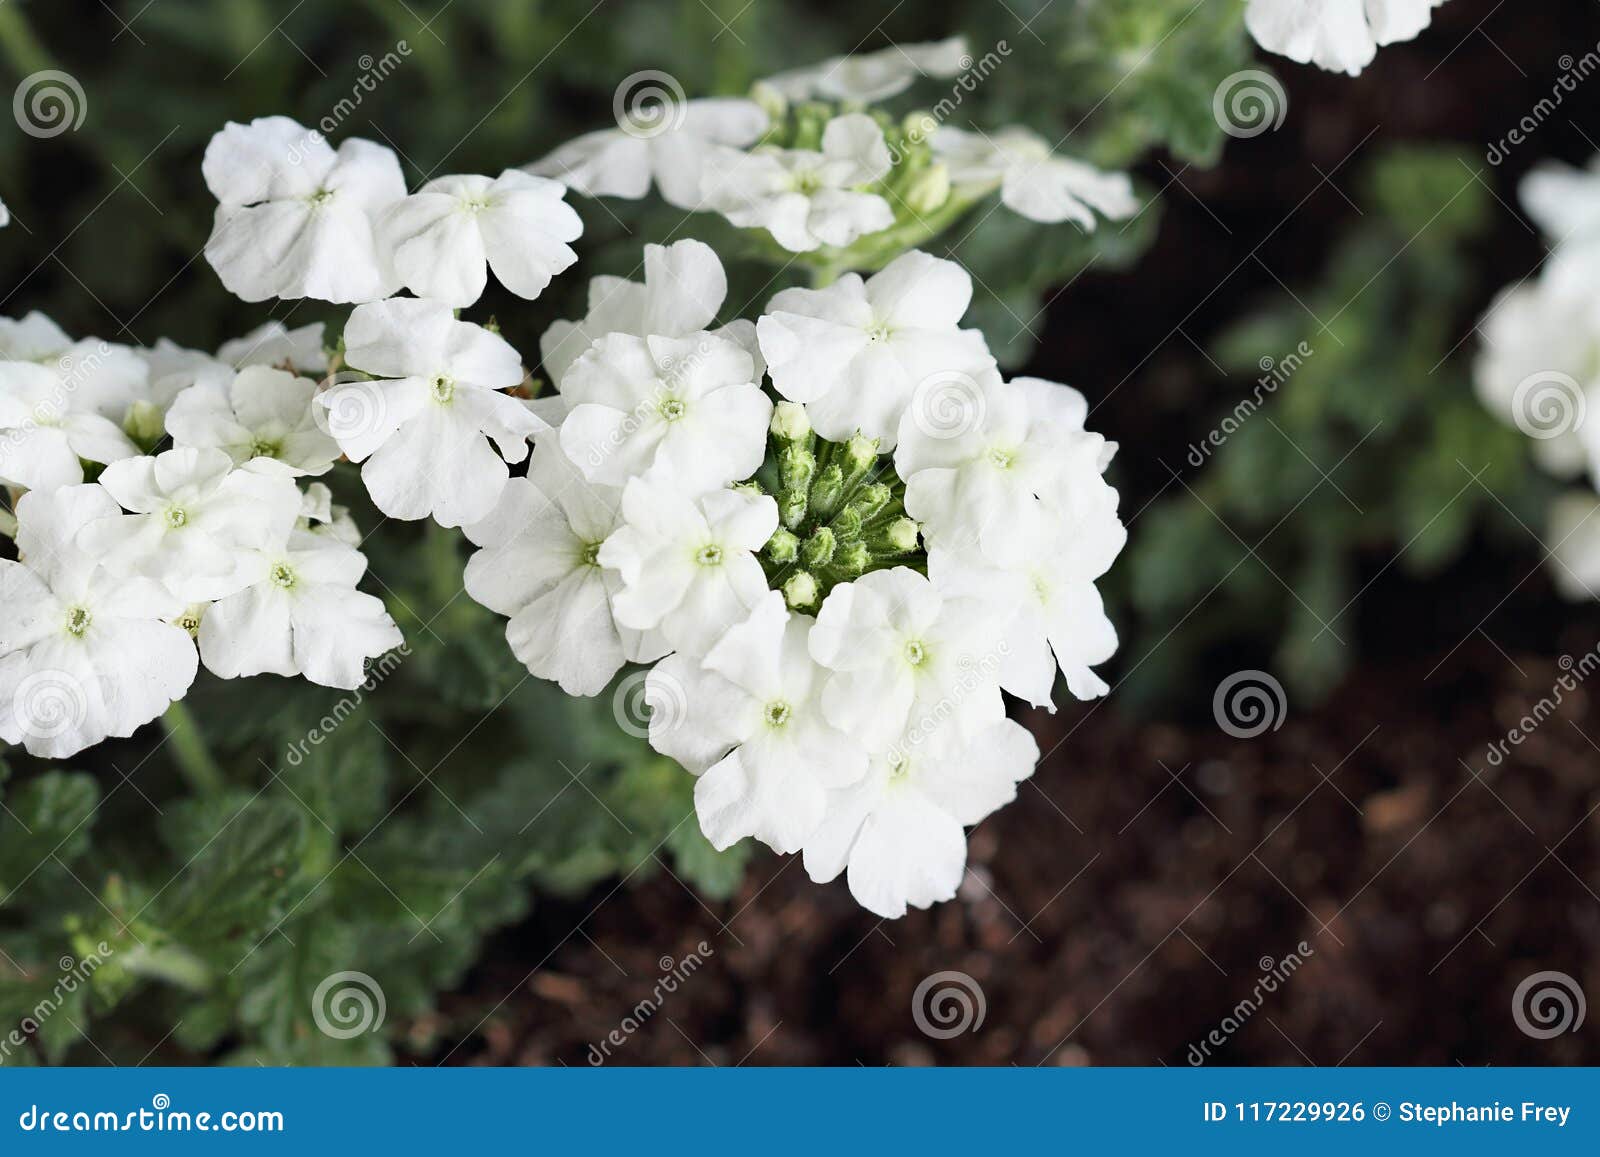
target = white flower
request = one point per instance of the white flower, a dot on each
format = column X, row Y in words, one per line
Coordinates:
column 320, row 515
column 424, row 428
column 671, row 148
column 43, row 438
column 302, row 616
column 263, row 415
column 1565, row 203
column 856, row 351
column 538, row 565
column 688, row 408
column 806, row 199
column 748, row 721
column 688, row 565
column 32, row 338
column 1033, row 181
column 84, row 654
column 1573, row 540
column 984, row 465
column 1338, row 35
column 684, row 285
column 898, row 832
column 196, row 524
column 1538, row 368
column 444, row 235
column 294, row 218
column 870, row 77
column 905, row 657
column 274, row 344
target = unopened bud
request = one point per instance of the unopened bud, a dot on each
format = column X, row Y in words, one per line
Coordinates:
column 919, row 126
column 827, row 490
column 853, row 559
column 801, row 591
column 144, row 424
column 772, row 102
column 871, row 499
column 797, row 465
column 782, row 547
column 818, row 549
column 790, row 422
column 860, row 452
column 930, row 189
column 900, row 535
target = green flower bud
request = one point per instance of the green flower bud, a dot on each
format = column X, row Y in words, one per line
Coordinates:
column 871, row 499
column 827, row 491
column 144, row 424
column 847, row 524
column 860, row 452
column 919, row 126
column 930, row 189
column 852, row 561
column 899, row 537
column 782, row 547
column 800, row 591
column 797, row 465
column 772, row 102
column 789, row 422
column 792, row 509
column 818, row 549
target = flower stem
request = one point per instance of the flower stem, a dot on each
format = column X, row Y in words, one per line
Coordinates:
column 190, row 751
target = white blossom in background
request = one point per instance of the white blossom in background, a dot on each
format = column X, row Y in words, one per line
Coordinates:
column 688, row 408
column 668, row 145
column 319, row 514
column 1337, row 35
column 194, row 523
column 262, row 416
column 688, row 566
column 538, row 564
column 85, row 653
column 1032, row 179
column 806, row 199
column 43, row 438
column 901, row 653
column 748, row 721
column 444, row 237
column 898, row 834
column 856, row 351
column 301, row 616
column 1572, row 536
column 274, row 344
column 295, row 218
column 684, row 287
column 424, row 427
column 869, row 77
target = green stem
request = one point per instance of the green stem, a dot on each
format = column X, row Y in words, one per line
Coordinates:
column 190, row 751
column 18, row 43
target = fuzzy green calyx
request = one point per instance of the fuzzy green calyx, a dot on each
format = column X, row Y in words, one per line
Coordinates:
column 841, row 510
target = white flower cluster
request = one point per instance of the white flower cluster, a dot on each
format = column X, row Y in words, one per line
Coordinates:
column 210, row 542
column 1539, row 365
column 1338, row 35
column 836, row 575
column 805, row 161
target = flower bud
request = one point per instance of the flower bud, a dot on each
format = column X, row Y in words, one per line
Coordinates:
column 919, row 126
column 853, row 560
column 144, row 424
column 827, row 490
column 818, row 549
column 782, row 547
column 900, row 536
column 797, row 465
column 800, row 591
column 871, row 499
column 930, row 189
column 847, row 524
column 772, row 102
column 790, row 422
column 860, row 452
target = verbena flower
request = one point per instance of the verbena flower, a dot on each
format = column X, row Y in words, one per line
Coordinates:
column 263, row 416
column 85, row 652
column 688, row 408
column 748, row 721
column 1338, row 35
column 869, row 77
column 194, row 523
column 666, row 143
column 423, row 428
column 294, row 217
column 806, row 198
column 856, row 351
column 1033, row 181
column 44, row 437
column 442, row 237
column 898, row 834
column 538, row 564
column 301, row 616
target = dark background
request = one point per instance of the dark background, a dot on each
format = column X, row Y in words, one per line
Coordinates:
column 1119, row 910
